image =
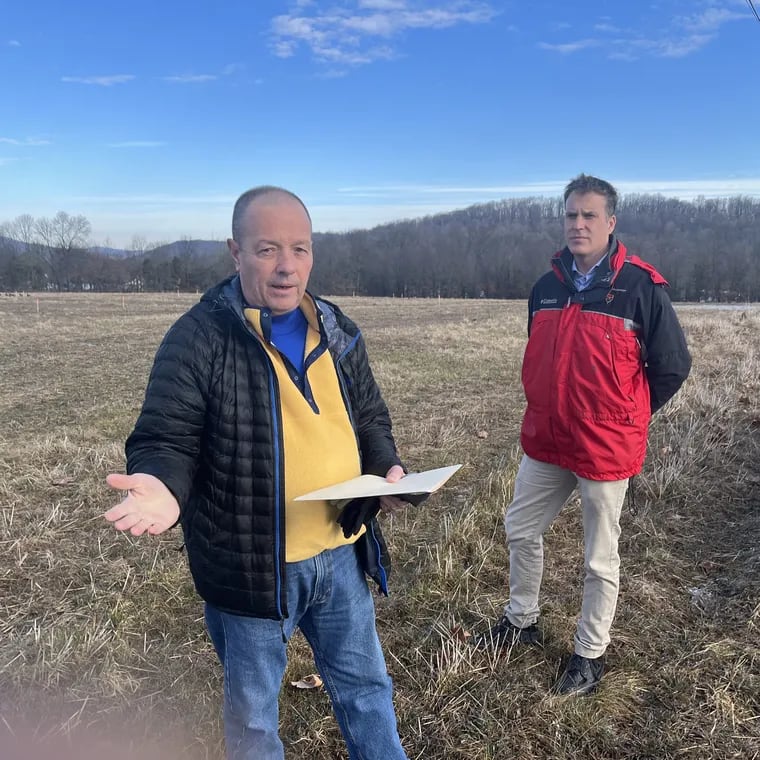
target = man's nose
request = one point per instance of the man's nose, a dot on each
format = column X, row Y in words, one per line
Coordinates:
column 286, row 261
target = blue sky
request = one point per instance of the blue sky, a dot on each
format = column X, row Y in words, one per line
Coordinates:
column 150, row 118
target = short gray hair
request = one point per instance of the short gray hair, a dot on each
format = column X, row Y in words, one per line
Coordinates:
column 248, row 197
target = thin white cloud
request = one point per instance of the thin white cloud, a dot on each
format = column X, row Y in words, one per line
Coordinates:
column 623, row 55
column 337, row 55
column 137, row 144
column 606, row 28
column 690, row 33
column 27, row 141
column 154, row 200
column 682, row 36
column 5, row 160
column 679, row 47
column 348, row 35
column 229, row 70
column 14, row 43
column 425, row 193
column 383, row 5
column 191, row 78
column 529, row 188
column 101, row 81
column 566, row 48
column 284, row 48
column 709, row 20
column 333, row 73
column 375, row 25
column 689, row 189
column 686, row 189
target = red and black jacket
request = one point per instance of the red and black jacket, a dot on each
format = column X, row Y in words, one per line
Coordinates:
column 598, row 363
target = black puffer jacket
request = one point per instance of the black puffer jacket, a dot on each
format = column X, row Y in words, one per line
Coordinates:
column 210, row 430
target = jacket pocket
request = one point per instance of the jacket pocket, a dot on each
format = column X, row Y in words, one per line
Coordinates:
column 539, row 363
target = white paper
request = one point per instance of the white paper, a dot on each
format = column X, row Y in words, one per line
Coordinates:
column 373, row 485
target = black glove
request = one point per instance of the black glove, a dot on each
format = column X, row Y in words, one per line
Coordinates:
column 415, row 499
column 356, row 513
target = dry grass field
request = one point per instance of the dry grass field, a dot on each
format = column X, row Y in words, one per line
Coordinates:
column 103, row 652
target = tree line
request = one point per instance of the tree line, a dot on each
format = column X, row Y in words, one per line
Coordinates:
column 38, row 254
column 708, row 249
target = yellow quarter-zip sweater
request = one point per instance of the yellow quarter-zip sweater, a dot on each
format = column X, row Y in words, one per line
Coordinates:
column 319, row 444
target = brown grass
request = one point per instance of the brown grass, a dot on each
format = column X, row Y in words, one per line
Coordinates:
column 102, row 645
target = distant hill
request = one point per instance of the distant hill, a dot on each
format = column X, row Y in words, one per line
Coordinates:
column 104, row 251
column 8, row 244
column 169, row 251
column 181, row 248
column 199, row 248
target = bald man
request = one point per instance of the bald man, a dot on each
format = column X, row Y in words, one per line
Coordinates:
column 260, row 393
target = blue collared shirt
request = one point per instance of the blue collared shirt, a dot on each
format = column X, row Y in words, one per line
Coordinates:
column 582, row 281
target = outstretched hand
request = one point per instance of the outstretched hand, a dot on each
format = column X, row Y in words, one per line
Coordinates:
column 149, row 505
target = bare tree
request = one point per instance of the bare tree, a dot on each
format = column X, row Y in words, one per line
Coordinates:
column 70, row 232
column 60, row 236
column 21, row 229
column 138, row 246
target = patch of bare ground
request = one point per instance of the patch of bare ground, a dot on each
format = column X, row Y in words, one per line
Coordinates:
column 102, row 645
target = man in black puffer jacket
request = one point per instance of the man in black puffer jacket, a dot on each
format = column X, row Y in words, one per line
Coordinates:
column 258, row 394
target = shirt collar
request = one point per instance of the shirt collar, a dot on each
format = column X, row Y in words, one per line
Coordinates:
column 586, row 275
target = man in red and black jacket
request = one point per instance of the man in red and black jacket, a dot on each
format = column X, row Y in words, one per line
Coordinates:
column 605, row 351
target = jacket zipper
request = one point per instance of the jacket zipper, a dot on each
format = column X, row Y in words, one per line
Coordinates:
column 277, row 496
column 277, row 468
column 370, row 529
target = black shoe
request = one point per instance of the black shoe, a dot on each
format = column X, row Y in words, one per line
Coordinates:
column 581, row 676
column 505, row 634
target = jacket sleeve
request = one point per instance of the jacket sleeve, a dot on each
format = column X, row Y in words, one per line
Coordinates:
column 531, row 301
column 166, row 439
column 667, row 357
column 373, row 421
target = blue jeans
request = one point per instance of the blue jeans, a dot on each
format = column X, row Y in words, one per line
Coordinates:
column 328, row 599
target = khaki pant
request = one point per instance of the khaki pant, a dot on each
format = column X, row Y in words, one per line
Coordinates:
column 541, row 491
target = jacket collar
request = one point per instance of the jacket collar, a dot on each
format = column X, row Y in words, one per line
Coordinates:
column 605, row 273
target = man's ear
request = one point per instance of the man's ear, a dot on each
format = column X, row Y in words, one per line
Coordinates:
column 234, row 250
column 611, row 222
